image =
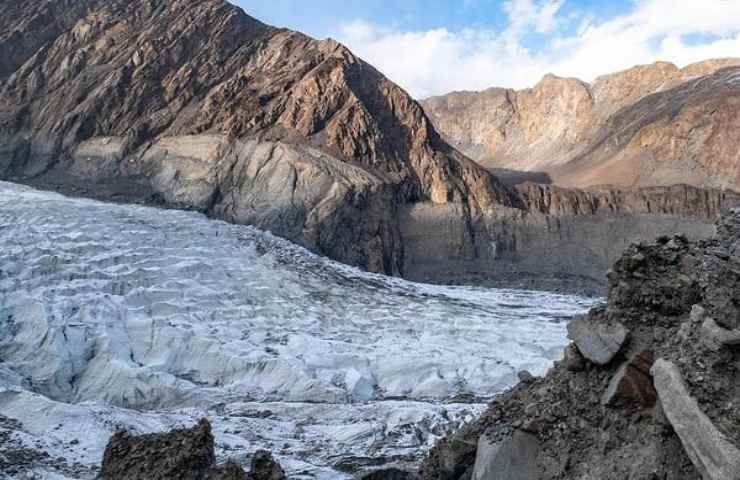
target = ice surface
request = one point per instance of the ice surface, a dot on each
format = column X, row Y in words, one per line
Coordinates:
column 124, row 315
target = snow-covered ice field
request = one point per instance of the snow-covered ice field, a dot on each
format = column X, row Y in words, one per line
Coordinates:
column 128, row 316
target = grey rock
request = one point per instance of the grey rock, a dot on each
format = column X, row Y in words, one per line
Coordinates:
column 598, row 342
column 715, row 337
column 525, row 376
column 573, row 359
column 697, row 314
column 514, row 458
column 709, row 450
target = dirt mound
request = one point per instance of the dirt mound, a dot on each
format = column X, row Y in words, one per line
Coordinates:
column 647, row 390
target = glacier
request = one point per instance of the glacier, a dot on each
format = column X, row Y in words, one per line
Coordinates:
column 127, row 316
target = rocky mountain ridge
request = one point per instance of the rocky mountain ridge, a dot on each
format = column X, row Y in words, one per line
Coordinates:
column 206, row 108
column 196, row 105
column 650, row 125
column 646, row 390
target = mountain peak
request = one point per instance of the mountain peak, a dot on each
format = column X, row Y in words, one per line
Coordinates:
column 193, row 99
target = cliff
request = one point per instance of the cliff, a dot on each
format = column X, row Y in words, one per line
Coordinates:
column 646, row 126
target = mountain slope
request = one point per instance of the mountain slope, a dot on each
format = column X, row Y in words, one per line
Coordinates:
column 198, row 104
column 649, row 125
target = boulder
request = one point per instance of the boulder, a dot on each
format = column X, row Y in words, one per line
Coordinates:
column 632, row 385
column 715, row 337
column 185, row 454
column 598, row 342
column 713, row 455
column 513, row 458
column 526, row 377
column 265, row 467
column 574, row 361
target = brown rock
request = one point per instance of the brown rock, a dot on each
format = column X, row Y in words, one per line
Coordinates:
column 632, row 384
column 265, row 467
column 650, row 125
column 235, row 118
column 186, row 454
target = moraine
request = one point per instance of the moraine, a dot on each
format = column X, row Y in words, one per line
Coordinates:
column 129, row 316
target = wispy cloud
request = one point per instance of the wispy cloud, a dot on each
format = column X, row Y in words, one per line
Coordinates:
column 437, row 61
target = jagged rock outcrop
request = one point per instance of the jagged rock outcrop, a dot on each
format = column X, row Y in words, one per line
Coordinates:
column 646, row 126
column 197, row 105
column 665, row 406
column 186, row 454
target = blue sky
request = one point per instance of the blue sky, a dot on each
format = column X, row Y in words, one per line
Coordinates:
column 320, row 18
column 434, row 46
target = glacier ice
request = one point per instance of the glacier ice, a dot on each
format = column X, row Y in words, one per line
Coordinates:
column 130, row 316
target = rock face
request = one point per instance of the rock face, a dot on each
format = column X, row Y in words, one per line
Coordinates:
column 198, row 105
column 632, row 383
column 646, row 126
column 631, row 418
column 187, row 454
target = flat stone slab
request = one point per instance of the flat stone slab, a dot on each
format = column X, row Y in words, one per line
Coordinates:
column 513, row 458
column 598, row 342
column 713, row 455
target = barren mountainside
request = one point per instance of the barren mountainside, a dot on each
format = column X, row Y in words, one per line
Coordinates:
column 646, row 126
column 196, row 105
column 219, row 112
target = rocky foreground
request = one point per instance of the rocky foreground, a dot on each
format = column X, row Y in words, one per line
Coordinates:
column 186, row 454
column 647, row 390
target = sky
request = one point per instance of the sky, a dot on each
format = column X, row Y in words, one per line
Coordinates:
column 431, row 47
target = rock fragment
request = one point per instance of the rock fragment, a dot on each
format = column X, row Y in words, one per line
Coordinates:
column 184, row 454
column 716, row 337
column 574, row 361
column 514, row 458
column 598, row 342
column 265, row 467
column 632, row 384
column 714, row 457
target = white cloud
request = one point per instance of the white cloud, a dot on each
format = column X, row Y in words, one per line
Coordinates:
column 438, row 61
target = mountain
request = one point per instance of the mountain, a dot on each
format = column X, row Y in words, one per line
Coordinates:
column 207, row 108
column 193, row 104
column 647, row 126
